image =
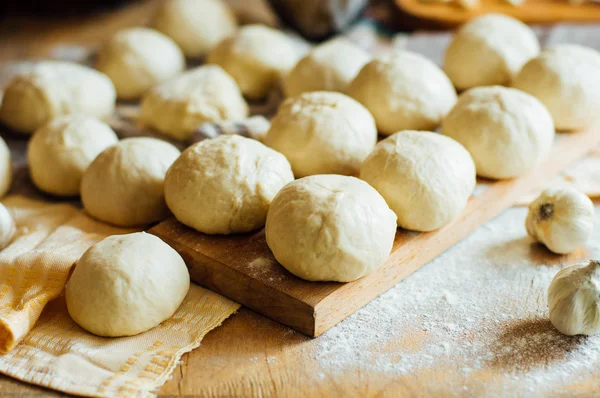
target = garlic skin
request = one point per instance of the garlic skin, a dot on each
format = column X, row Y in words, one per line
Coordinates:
column 574, row 299
column 7, row 227
column 561, row 218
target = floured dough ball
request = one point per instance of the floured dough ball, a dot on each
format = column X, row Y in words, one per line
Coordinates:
column 425, row 178
column 322, row 133
column 179, row 106
column 330, row 228
column 566, row 79
column 53, row 89
column 7, row 227
column 197, row 26
column 404, row 91
column 257, row 58
column 329, row 67
column 126, row 284
column 6, row 171
column 225, row 185
column 489, row 50
column 137, row 59
column 124, row 185
column 506, row 131
column 61, row 151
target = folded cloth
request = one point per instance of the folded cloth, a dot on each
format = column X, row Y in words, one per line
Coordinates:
column 44, row 346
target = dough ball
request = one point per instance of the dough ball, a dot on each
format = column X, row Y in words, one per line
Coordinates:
column 53, row 89
column 6, row 171
column 61, row 151
column 489, row 50
column 323, row 133
column 225, row 185
column 404, row 91
column 329, row 67
column 425, row 178
column 506, row 131
column 124, row 185
column 7, row 227
column 197, row 26
column 137, row 59
column 257, row 58
column 205, row 94
column 566, row 79
column 330, row 228
column 126, row 284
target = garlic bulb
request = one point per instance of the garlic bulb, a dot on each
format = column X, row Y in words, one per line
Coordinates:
column 574, row 299
column 7, row 227
column 561, row 218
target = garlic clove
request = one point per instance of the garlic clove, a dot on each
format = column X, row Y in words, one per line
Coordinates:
column 561, row 218
column 574, row 299
column 7, row 227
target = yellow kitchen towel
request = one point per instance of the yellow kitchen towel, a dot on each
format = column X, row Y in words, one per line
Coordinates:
column 45, row 347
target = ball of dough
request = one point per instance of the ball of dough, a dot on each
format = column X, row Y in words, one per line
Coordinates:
column 566, row 79
column 330, row 228
column 124, row 185
column 257, row 58
column 506, row 131
column 61, row 151
column 425, row 178
column 323, row 133
column 225, row 185
column 6, row 171
column 137, row 59
column 7, row 227
column 126, row 284
column 404, row 91
column 53, row 89
column 489, row 50
column 197, row 26
column 329, row 67
column 205, row 94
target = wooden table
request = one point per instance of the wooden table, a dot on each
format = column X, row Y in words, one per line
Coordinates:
column 493, row 342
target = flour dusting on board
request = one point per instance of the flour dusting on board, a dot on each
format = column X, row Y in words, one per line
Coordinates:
column 481, row 305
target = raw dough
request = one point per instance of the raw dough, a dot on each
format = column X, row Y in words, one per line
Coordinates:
column 404, row 91
column 225, row 185
column 124, row 185
column 6, row 171
column 330, row 228
column 53, row 89
column 137, row 59
column 566, row 79
column 506, row 130
column 197, row 26
column 330, row 66
column 489, row 50
column 322, row 133
column 257, row 58
column 126, row 284
column 61, row 151
column 7, row 227
column 205, row 94
column 425, row 178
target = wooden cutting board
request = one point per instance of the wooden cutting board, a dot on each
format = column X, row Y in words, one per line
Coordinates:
column 242, row 267
column 449, row 13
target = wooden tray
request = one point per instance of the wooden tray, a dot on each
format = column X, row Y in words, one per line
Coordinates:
column 531, row 11
column 242, row 267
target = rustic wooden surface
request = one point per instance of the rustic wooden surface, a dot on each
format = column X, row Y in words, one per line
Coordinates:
column 252, row 355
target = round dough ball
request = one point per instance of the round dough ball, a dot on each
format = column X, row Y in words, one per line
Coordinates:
column 425, row 178
column 6, row 171
column 53, row 89
column 124, row 185
column 257, row 58
column 126, row 284
column 404, row 91
column 197, row 26
column 566, row 79
column 7, row 227
column 225, row 185
column 506, row 131
column 489, row 50
column 137, row 59
column 61, row 151
column 205, row 94
column 322, row 133
column 330, row 228
column 329, row 67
